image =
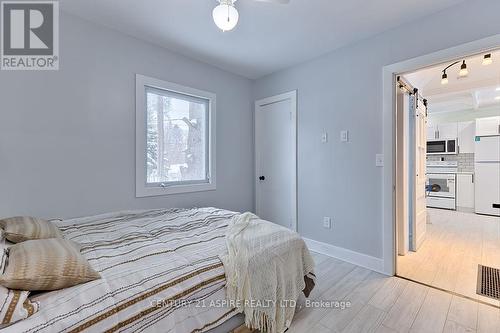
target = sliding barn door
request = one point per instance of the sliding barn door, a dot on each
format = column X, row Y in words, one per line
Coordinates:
column 418, row 131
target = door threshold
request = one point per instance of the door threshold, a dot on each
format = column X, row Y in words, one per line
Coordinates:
column 449, row 292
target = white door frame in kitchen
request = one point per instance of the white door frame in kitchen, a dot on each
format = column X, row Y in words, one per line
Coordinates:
column 389, row 134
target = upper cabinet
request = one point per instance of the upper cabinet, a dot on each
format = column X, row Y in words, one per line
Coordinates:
column 466, row 136
column 431, row 132
column 442, row 131
column 465, row 132
column 447, row 131
column 488, row 126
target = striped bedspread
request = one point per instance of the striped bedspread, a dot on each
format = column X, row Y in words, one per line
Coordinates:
column 160, row 273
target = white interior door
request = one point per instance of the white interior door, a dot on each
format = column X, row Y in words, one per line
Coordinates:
column 402, row 162
column 418, row 125
column 276, row 159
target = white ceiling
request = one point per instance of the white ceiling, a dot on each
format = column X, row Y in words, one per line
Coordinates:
column 269, row 37
column 480, row 89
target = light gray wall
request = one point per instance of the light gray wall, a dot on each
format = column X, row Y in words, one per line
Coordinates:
column 67, row 137
column 343, row 90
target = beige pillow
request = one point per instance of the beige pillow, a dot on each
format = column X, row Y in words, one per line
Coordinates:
column 3, row 251
column 15, row 304
column 22, row 228
column 46, row 264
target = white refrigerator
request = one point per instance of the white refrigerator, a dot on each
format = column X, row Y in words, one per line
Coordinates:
column 487, row 175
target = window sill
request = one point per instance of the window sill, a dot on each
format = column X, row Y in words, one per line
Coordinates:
column 153, row 191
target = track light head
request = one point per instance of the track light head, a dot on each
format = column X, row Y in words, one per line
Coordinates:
column 444, row 78
column 487, row 60
column 463, row 70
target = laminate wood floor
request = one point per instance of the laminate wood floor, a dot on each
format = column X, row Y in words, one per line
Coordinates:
column 379, row 303
column 455, row 244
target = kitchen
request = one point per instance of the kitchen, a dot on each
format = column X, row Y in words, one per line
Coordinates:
column 463, row 166
column 458, row 244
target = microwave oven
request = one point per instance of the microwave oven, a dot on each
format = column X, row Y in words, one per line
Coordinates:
column 442, row 147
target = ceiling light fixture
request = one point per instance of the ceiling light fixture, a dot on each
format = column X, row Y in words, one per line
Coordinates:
column 487, row 59
column 463, row 70
column 497, row 98
column 497, row 89
column 444, row 78
column 225, row 15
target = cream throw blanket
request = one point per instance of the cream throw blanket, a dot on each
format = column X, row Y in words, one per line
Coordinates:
column 265, row 268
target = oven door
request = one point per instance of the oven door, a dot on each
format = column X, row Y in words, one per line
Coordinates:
column 441, row 185
column 436, row 147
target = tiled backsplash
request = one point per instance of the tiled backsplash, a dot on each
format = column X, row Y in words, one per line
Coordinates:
column 465, row 160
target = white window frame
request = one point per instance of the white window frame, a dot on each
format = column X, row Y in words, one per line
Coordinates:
column 141, row 187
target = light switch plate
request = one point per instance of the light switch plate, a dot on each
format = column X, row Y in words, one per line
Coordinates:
column 344, row 136
column 327, row 222
column 379, row 160
column 324, row 137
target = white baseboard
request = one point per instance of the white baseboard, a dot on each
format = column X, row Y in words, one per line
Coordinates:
column 356, row 258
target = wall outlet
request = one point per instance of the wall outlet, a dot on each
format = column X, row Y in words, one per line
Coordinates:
column 344, row 136
column 379, row 160
column 327, row 222
column 324, row 137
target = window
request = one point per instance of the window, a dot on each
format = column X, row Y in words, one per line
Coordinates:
column 174, row 138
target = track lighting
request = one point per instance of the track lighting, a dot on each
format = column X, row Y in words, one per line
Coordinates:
column 444, row 78
column 463, row 70
column 487, row 59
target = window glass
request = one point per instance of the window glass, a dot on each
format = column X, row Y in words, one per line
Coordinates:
column 177, row 138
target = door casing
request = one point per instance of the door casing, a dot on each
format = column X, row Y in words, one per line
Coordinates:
column 389, row 74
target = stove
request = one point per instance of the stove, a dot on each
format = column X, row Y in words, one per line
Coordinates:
column 442, row 167
column 441, row 184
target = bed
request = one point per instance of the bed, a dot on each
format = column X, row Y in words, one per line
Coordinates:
column 160, row 271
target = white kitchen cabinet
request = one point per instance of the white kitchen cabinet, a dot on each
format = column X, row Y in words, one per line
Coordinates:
column 442, row 131
column 431, row 132
column 447, row 131
column 466, row 136
column 488, row 126
column 465, row 192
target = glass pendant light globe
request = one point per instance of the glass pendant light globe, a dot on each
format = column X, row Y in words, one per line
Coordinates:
column 225, row 16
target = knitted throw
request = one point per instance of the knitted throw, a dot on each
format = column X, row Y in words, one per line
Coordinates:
column 265, row 268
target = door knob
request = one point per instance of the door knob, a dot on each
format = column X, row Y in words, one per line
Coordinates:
column 262, row 178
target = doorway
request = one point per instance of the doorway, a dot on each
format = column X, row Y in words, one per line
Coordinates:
column 461, row 136
column 276, row 159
